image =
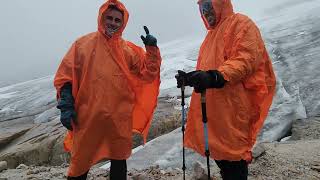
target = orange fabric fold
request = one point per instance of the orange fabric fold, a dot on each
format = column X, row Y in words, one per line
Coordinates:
column 115, row 85
column 236, row 113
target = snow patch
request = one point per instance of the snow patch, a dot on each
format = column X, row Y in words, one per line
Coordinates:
column 7, row 95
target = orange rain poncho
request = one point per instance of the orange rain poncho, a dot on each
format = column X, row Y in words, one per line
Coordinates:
column 236, row 112
column 115, row 85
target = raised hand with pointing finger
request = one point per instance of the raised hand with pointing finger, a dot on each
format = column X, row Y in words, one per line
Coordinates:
column 149, row 40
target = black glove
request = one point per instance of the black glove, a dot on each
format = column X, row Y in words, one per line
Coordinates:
column 202, row 80
column 149, row 40
column 183, row 78
column 66, row 106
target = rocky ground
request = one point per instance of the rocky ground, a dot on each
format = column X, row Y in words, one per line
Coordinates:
column 297, row 158
column 34, row 150
column 24, row 142
column 165, row 119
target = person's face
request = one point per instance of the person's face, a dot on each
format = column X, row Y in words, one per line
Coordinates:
column 113, row 21
column 208, row 12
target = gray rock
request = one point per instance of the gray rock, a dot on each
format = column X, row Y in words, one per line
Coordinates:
column 316, row 168
column 40, row 145
column 306, row 129
column 31, row 177
column 56, row 174
column 33, row 171
column 43, row 169
column 258, row 150
column 9, row 134
column 100, row 178
column 140, row 177
column 163, row 172
column 22, row 166
column 3, row 165
column 199, row 171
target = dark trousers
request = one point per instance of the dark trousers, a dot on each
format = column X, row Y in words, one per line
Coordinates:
column 82, row 177
column 118, row 171
column 233, row 170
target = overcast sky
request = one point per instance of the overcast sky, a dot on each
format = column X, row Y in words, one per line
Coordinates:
column 35, row 34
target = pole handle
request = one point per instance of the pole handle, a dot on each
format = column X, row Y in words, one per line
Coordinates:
column 203, row 97
column 204, row 107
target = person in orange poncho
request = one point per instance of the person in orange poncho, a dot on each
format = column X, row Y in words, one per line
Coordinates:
column 235, row 72
column 107, row 88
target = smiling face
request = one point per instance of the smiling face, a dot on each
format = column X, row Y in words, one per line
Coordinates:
column 113, row 21
column 208, row 12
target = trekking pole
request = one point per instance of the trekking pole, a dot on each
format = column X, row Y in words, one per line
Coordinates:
column 205, row 126
column 183, row 129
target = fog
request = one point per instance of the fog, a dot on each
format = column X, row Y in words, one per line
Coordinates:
column 35, row 35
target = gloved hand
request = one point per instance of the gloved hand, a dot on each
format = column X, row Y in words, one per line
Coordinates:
column 183, row 78
column 66, row 106
column 202, row 80
column 66, row 118
column 149, row 40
